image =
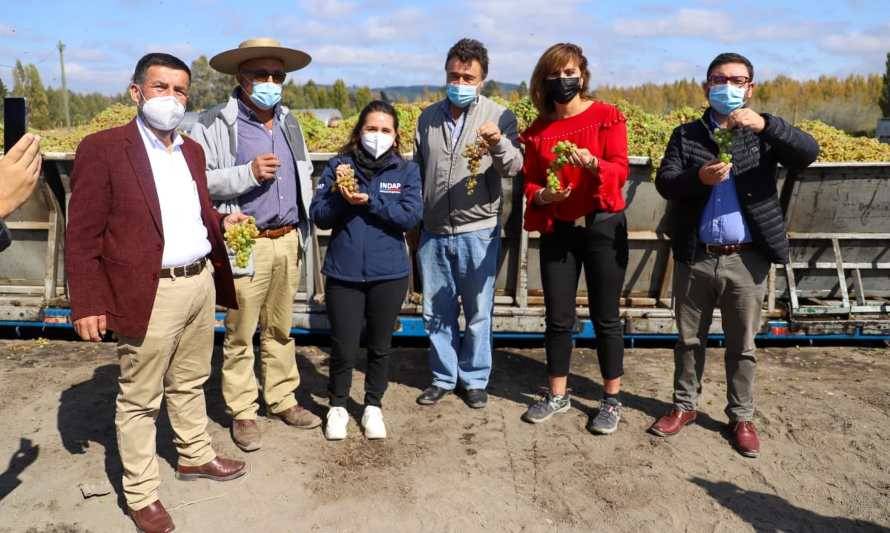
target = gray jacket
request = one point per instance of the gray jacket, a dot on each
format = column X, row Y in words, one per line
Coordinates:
column 217, row 132
column 447, row 208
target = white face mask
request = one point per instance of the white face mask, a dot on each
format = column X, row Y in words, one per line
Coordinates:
column 377, row 143
column 162, row 113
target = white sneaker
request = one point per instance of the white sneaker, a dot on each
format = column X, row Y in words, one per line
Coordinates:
column 372, row 421
column 337, row 420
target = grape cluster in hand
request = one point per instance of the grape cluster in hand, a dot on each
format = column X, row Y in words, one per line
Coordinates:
column 723, row 138
column 240, row 238
column 474, row 152
column 346, row 178
column 562, row 149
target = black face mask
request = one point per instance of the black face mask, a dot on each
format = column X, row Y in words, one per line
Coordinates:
column 562, row 90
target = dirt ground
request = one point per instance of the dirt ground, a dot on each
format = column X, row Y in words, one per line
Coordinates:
column 823, row 415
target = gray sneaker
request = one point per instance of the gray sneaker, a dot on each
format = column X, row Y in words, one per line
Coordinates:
column 546, row 407
column 606, row 420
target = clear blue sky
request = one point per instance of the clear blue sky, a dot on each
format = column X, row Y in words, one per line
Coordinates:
column 400, row 42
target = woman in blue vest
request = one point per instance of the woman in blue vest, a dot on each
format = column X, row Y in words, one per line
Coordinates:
column 366, row 264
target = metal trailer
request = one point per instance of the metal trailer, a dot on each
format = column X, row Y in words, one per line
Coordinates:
column 836, row 285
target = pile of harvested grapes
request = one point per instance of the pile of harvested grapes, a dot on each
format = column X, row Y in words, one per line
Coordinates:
column 647, row 133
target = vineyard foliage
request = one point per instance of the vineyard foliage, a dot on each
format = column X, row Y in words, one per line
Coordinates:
column 647, row 133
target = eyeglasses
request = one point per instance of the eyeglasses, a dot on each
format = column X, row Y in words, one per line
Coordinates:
column 738, row 81
column 263, row 75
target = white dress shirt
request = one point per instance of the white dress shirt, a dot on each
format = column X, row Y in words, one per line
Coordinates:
column 185, row 237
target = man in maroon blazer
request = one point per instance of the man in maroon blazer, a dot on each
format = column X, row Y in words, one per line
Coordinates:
column 142, row 241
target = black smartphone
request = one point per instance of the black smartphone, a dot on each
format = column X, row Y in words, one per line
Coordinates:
column 15, row 120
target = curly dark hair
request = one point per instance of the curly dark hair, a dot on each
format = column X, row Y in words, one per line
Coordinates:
column 466, row 50
column 355, row 137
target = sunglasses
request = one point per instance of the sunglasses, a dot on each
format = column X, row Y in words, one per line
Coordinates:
column 263, row 75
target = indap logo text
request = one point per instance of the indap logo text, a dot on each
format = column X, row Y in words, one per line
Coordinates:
column 391, row 188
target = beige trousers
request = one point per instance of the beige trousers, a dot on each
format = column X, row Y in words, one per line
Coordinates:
column 171, row 362
column 267, row 299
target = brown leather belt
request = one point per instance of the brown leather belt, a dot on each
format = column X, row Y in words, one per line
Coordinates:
column 274, row 233
column 725, row 249
column 186, row 271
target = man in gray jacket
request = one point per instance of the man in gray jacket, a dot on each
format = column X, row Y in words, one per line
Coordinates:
column 258, row 163
column 460, row 241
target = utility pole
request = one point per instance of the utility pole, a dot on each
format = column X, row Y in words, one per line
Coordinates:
column 64, row 85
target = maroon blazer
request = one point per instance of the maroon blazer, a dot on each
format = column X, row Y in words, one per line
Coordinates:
column 115, row 241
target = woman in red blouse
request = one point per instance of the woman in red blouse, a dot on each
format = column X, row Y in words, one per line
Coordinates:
column 581, row 224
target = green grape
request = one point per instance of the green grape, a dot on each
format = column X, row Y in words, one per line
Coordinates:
column 474, row 153
column 723, row 138
column 240, row 238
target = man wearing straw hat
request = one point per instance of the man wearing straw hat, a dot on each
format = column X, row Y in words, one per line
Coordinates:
column 258, row 164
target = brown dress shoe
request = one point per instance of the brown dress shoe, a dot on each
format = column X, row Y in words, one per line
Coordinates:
column 219, row 469
column 299, row 418
column 152, row 519
column 744, row 437
column 672, row 423
column 246, row 434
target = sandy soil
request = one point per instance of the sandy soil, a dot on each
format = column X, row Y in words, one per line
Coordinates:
column 823, row 416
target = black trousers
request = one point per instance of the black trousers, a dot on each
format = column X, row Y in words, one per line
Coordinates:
column 350, row 304
column 602, row 249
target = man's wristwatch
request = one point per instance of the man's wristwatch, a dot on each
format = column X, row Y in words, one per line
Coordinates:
column 593, row 164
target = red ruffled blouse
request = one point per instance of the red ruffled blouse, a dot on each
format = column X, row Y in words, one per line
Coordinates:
column 602, row 129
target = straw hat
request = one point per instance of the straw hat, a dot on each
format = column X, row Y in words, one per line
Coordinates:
column 227, row 62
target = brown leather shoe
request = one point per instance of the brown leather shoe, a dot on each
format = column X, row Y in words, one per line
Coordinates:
column 744, row 437
column 152, row 519
column 246, row 434
column 672, row 423
column 219, row 469
column 299, row 418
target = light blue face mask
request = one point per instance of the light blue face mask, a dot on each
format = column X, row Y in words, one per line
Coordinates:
column 461, row 95
column 266, row 95
column 726, row 98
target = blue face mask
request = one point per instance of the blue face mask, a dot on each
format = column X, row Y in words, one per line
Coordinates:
column 461, row 95
column 266, row 95
column 726, row 98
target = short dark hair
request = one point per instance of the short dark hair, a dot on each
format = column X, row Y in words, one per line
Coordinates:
column 730, row 57
column 355, row 137
column 466, row 50
column 158, row 59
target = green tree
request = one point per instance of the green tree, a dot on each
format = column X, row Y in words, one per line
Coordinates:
column 208, row 86
column 884, row 99
column 310, row 94
column 340, row 97
column 491, row 89
column 3, row 94
column 522, row 89
column 363, row 96
column 27, row 83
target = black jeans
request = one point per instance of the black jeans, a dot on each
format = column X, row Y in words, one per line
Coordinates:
column 601, row 248
column 349, row 304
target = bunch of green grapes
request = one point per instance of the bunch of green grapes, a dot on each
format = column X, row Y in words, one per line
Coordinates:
column 474, row 153
column 346, row 178
column 240, row 238
column 723, row 138
column 562, row 149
